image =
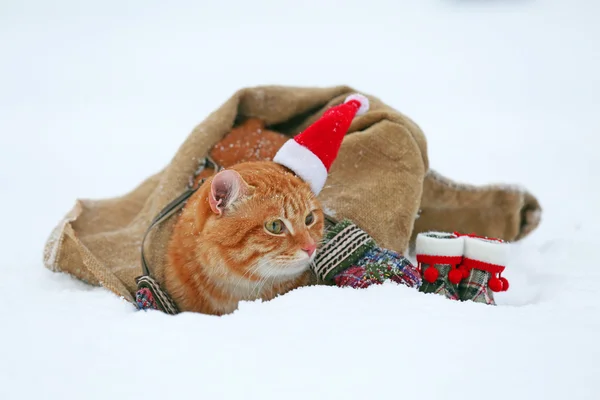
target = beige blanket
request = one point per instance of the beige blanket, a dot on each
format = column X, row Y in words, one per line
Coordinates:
column 380, row 180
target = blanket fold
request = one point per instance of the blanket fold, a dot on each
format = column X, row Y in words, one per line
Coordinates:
column 376, row 182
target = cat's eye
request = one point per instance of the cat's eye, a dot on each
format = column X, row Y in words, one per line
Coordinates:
column 310, row 218
column 275, row 227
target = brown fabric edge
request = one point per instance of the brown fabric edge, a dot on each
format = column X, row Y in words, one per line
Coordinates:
column 53, row 253
column 510, row 212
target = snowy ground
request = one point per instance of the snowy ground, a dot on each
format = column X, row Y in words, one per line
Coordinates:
column 506, row 91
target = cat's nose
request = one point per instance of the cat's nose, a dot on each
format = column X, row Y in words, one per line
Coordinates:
column 309, row 248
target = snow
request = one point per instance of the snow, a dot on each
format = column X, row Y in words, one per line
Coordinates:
column 97, row 96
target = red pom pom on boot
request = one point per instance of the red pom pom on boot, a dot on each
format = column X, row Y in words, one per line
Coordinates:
column 455, row 276
column 438, row 255
column 485, row 259
column 495, row 284
column 431, row 275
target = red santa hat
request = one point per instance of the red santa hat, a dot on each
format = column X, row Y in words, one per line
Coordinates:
column 311, row 153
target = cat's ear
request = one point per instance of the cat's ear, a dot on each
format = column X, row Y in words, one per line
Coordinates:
column 227, row 187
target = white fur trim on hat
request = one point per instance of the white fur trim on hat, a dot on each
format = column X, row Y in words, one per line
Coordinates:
column 448, row 245
column 486, row 250
column 364, row 102
column 304, row 163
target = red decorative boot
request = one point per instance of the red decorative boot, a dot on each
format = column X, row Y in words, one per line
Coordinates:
column 438, row 255
column 484, row 261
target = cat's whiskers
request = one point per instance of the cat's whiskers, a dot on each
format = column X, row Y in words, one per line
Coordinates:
column 223, row 276
column 267, row 266
column 250, row 271
column 269, row 274
column 321, row 242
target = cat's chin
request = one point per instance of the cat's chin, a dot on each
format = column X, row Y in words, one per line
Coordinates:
column 285, row 270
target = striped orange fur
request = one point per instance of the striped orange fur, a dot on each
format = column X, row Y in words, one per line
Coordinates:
column 226, row 246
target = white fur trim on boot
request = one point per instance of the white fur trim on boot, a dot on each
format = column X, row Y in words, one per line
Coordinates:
column 486, row 250
column 446, row 244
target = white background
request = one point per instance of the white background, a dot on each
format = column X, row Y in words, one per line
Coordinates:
column 96, row 96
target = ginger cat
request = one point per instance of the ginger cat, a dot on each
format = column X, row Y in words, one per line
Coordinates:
column 249, row 232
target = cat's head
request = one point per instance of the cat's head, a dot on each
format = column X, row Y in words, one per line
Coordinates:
column 263, row 220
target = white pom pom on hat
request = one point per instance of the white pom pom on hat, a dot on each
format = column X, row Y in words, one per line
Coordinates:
column 363, row 101
column 311, row 153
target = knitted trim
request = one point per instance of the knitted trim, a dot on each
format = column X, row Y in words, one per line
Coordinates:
column 346, row 244
column 144, row 299
column 157, row 297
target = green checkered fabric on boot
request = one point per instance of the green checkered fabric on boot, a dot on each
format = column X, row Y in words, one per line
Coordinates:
column 441, row 285
column 485, row 259
column 475, row 288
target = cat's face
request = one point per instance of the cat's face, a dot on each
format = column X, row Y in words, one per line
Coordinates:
column 265, row 221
